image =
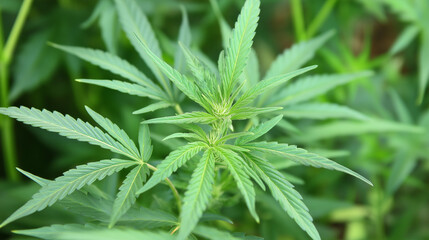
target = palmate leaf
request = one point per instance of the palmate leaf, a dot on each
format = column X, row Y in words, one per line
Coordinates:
column 312, row 86
column 289, row 199
column 111, row 63
column 266, row 85
column 172, row 162
column 113, row 130
column 198, row 194
column 92, row 232
column 127, row 192
column 249, row 112
column 259, row 130
column 134, row 23
column 322, row 111
column 70, row 181
column 296, row 56
column 301, row 156
column 233, row 61
column 128, row 88
column 145, row 143
column 235, row 166
column 191, row 117
column 68, row 127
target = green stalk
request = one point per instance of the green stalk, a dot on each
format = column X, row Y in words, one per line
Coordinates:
column 6, row 53
column 320, row 18
column 298, row 20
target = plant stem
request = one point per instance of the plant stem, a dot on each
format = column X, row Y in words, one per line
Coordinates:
column 298, row 20
column 6, row 53
column 178, row 109
column 172, row 187
column 320, row 18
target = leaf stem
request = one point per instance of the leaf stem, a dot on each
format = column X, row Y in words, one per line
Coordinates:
column 178, row 109
column 6, row 53
column 298, row 20
column 172, row 187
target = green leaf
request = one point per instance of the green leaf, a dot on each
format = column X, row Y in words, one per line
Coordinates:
column 145, row 144
column 147, row 218
column 172, row 162
column 289, row 199
column 153, row 107
column 249, row 112
column 41, row 181
column 109, row 26
column 127, row 192
column 234, row 135
column 212, row 233
column 35, row 64
column 423, row 65
column 251, row 71
column 235, row 166
column 70, row 181
column 234, row 59
column 111, row 63
column 184, row 135
column 312, row 86
column 301, row 156
column 322, row 111
column 92, row 232
column 296, row 56
column 134, row 23
column 185, row 39
column 186, row 85
column 68, row 127
column 404, row 39
column 198, row 194
column 266, row 85
column 403, row 165
column 128, row 88
column 114, row 131
column 259, row 130
column 191, row 117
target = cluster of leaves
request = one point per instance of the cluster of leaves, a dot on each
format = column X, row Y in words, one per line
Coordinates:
column 231, row 93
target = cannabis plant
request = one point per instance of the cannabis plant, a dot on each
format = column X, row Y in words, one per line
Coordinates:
column 214, row 142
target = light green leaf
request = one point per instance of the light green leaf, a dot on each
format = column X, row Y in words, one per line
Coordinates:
column 309, row 87
column 41, row 181
column 191, row 117
column 153, row 107
column 184, row 135
column 134, row 23
column 147, row 218
column 212, row 233
column 127, row 192
column 145, row 144
column 68, row 127
column 172, row 162
column 198, row 194
column 114, row 131
column 111, row 63
column 249, row 112
column 234, row 135
column 92, row 232
column 290, row 200
column 71, row 180
column 187, row 86
column 233, row 61
column 266, row 85
column 109, row 26
column 128, row 88
column 251, row 71
column 403, row 165
column 296, row 56
column 322, row 111
column 404, row 39
column 235, row 166
column 301, row 156
column 259, row 130
column 185, row 39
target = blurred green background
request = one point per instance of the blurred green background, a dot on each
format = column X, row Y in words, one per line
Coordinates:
column 388, row 37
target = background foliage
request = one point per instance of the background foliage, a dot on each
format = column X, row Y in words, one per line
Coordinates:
column 389, row 38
